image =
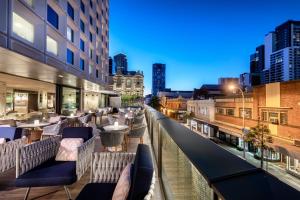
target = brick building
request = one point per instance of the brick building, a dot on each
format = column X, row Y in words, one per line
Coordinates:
column 277, row 105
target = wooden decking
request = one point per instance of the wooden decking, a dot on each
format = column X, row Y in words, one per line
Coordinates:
column 9, row 192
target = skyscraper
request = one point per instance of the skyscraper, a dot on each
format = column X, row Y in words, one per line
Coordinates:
column 120, row 61
column 110, row 66
column 282, row 53
column 257, row 65
column 158, row 77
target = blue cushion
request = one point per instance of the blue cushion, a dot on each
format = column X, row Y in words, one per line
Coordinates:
column 50, row 173
column 142, row 173
column 78, row 132
column 97, row 191
column 10, row 133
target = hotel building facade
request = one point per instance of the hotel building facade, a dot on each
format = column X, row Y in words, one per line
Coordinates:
column 53, row 55
column 276, row 104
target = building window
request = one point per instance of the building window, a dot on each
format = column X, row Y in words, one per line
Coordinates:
column 283, row 118
column 97, row 15
column 91, row 20
column 91, row 3
column 81, row 45
column 97, row 73
column 91, row 37
column 52, row 17
column 70, row 11
column 230, row 111
column 70, row 34
column 70, row 57
column 82, row 64
column 91, row 54
column 247, row 113
column 82, row 26
column 220, row 111
column 128, row 83
column 23, row 28
column 29, row 2
column 51, row 45
column 82, row 6
column 119, row 83
column 97, row 30
column 90, row 69
column 97, row 59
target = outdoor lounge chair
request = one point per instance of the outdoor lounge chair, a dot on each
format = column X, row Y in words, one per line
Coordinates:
column 12, row 135
column 106, row 169
column 137, row 132
column 36, row 165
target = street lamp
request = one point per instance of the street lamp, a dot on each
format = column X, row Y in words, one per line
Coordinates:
column 232, row 88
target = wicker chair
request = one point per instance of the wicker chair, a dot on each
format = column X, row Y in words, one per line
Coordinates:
column 8, row 150
column 106, row 169
column 138, row 119
column 137, row 132
column 55, row 129
column 112, row 139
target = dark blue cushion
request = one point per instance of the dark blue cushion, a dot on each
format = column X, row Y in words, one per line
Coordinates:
column 142, row 173
column 78, row 132
column 50, row 173
column 97, row 191
column 10, row 133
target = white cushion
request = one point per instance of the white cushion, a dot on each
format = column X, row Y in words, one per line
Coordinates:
column 2, row 140
column 54, row 119
column 5, row 125
column 123, row 186
column 68, row 149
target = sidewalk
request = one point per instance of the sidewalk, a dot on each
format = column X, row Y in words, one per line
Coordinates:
column 273, row 169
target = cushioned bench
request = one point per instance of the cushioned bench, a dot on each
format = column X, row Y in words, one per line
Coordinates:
column 104, row 179
column 37, row 167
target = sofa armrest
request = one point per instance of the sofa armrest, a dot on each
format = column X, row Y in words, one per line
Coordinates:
column 32, row 155
column 84, row 157
column 107, row 167
column 8, row 153
column 151, row 190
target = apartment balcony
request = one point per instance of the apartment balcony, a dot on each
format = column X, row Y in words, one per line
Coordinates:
column 187, row 166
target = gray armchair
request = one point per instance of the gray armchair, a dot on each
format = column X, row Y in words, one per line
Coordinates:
column 138, row 119
column 55, row 129
column 137, row 132
column 112, row 138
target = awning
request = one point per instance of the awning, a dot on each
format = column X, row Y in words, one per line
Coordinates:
column 285, row 147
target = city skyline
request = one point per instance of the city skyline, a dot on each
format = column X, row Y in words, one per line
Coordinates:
column 206, row 53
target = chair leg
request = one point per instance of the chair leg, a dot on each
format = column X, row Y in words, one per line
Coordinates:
column 68, row 192
column 27, row 193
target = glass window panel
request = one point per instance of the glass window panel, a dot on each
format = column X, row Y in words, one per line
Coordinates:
column 23, row 28
column 51, row 45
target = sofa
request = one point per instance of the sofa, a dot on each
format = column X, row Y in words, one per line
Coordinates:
column 36, row 165
column 106, row 169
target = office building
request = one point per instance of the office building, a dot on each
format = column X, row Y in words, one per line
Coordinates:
column 53, row 55
column 281, row 54
column 158, row 78
column 120, row 62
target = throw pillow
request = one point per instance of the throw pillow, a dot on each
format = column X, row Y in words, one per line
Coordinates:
column 68, row 149
column 123, row 186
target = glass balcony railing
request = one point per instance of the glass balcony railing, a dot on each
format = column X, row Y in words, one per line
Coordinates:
column 192, row 167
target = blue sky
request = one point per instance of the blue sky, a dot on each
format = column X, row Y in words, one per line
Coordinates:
column 198, row 40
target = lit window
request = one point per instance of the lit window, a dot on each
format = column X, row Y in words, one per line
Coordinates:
column 90, row 69
column 23, row 28
column 51, row 45
column 70, row 34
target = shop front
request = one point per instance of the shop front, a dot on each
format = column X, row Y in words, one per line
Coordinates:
column 204, row 128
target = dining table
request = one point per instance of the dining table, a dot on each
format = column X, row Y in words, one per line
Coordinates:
column 117, row 128
column 35, row 130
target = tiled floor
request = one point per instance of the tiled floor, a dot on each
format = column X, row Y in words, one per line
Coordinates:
column 8, row 191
